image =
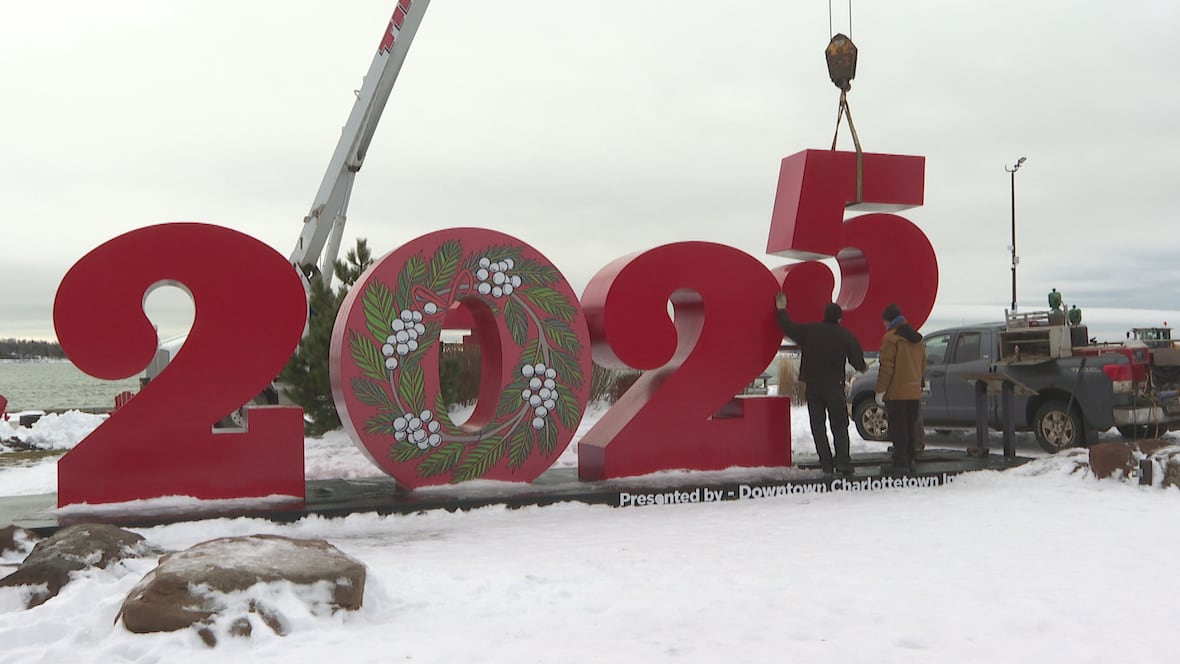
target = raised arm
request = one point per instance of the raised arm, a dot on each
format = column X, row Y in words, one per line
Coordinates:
column 790, row 328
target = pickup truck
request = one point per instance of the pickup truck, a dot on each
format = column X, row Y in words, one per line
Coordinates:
column 1064, row 400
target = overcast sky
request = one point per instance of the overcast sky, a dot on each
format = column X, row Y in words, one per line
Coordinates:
column 595, row 129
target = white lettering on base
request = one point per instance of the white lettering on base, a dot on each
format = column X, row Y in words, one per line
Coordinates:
column 749, row 492
column 665, row 498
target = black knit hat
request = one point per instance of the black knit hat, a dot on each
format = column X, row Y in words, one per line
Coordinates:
column 891, row 312
column 833, row 313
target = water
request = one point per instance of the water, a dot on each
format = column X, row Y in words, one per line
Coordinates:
column 57, row 385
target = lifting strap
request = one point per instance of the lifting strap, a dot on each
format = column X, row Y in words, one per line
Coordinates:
column 844, row 111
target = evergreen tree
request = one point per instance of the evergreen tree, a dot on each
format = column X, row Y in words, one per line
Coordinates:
column 306, row 378
column 356, row 261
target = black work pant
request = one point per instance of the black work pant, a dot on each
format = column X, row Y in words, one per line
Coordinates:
column 903, row 429
column 826, row 402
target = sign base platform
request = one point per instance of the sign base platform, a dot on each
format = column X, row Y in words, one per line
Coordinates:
column 382, row 495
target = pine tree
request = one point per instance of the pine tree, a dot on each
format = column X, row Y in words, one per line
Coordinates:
column 306, row 378
column 356, row 262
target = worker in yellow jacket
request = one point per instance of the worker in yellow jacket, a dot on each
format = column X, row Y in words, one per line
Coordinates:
column 899, row 386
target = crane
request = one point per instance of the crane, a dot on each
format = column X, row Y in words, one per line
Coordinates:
column 316, row 249
column 323, row 227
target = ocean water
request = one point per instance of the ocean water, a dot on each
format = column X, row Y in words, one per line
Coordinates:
column 57, row 385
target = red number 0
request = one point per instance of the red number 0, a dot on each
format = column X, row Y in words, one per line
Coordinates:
column 535, row 369
column 250, row 310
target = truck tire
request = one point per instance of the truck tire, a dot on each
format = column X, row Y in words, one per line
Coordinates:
column 871, row 421
column 1139, row 431
column 1056, row 427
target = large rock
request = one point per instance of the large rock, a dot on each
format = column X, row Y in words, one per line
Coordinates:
column 14, row 539
column 1121, row 455
column 47, row 568
column 205, row 585
column 1172, row 470
column 1164, row 467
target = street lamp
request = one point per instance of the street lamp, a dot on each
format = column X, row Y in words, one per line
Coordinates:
column 1015, row 260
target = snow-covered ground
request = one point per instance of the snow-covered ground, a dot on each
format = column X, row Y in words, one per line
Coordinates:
column 1037, row 564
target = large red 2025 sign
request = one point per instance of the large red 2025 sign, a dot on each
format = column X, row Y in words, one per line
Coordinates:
column 535, row 336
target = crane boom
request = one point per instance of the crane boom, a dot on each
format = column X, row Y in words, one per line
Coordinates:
column 324, row 224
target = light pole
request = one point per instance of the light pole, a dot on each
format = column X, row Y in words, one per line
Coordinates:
column 1015, row 260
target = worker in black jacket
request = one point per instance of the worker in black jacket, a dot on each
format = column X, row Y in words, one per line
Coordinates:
column 825, row 348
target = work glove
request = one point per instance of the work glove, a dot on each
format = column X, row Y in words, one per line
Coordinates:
column 880, row 398
column 780, row 300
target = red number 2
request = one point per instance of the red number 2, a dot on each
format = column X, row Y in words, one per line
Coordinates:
column 250, row 310
column 676, row 415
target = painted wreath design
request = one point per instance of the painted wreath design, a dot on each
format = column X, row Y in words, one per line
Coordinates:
column 403, row 322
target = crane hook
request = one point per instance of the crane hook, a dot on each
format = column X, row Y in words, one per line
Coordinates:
column 841, row 56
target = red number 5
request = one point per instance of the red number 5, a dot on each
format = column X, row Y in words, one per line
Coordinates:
column 883, row 257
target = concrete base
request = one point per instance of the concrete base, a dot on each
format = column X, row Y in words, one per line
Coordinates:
column 333, row 498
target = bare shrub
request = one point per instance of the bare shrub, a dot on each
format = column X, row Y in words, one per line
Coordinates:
column 789, row 385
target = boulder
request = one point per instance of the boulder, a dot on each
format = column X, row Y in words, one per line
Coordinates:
column 1124, row 455
column 206, row 585
column 47, row 568
column 14, row 539
column 1172, row 471
column 1164, row 467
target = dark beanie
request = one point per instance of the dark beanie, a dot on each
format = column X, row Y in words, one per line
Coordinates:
column 891, row 312
column 833, row 313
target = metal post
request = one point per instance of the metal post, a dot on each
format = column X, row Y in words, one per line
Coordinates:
column 1012, row 171
column 1013, row 240
column 980, row 448
column 1008, row 405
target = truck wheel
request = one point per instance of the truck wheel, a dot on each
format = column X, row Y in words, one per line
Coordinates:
column 871, row 421
column 1057, row 428
column 1138, row 431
